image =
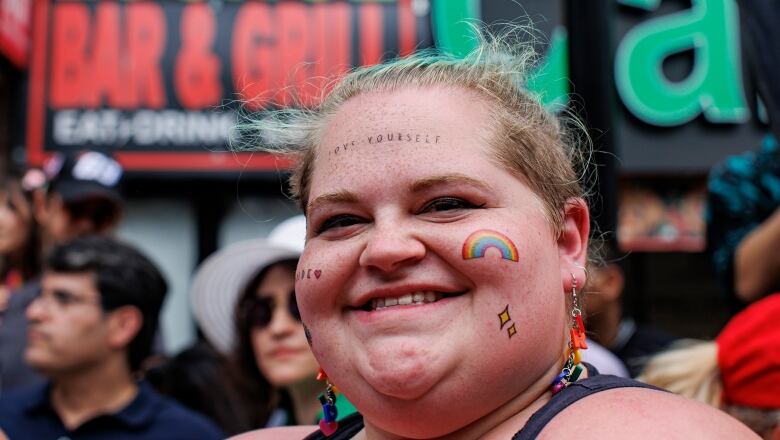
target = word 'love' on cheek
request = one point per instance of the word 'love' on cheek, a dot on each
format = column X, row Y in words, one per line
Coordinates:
column 307, row 274
column 477, row 244
column 504, row 319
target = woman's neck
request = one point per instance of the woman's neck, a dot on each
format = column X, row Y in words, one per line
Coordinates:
column 304, row 394
column 502, row 423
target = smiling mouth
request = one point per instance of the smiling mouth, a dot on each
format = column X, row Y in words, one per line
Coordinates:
column 410, row 299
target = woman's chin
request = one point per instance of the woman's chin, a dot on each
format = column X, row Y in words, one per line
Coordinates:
column 401, row 376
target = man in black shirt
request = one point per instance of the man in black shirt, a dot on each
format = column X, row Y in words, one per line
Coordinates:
column 91, row 327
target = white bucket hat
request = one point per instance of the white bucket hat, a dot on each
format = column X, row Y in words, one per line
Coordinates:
column 223, row 276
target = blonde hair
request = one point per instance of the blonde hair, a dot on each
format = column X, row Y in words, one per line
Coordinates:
column 689, row 369
column 527, row 139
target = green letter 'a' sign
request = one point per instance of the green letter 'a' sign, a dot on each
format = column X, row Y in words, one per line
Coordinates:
column 550, row 79
column 454, row 35
column 713, row 87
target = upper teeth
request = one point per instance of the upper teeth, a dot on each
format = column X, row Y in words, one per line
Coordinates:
column 403, row 300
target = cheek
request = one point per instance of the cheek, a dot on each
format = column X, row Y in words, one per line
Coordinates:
column 319, row 279
column 16, row 229
column 318, row 294
column 21, row 231
column 6, row 219
column 57, row 225
column 82, row 340
column 257, row 339
column 515, row 296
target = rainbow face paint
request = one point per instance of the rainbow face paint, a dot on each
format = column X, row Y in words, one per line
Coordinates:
column 477, row 244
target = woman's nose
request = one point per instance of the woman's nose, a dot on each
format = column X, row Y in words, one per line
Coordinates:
column 390, row 246
column 282, row 321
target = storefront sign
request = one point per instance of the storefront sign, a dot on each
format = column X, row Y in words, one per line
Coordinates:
column 15, row 30
column 159, row 83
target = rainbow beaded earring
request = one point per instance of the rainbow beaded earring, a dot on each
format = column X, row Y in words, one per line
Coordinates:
column 328, row 423
column 572, row 369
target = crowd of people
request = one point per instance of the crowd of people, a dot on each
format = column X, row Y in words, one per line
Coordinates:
column 460, row 298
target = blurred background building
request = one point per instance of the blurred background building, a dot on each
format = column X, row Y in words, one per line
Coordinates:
column 159, row 85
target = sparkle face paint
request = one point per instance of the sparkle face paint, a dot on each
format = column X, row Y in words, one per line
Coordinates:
column 504, row 319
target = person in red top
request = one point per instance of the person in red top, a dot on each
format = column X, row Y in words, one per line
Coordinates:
column 738, row 372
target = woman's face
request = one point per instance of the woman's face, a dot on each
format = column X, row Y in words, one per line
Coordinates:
column 15, row 222
column 427, row 217
column 281, row 351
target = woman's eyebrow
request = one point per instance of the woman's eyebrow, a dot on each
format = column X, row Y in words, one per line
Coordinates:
column 452, row 178
column 334, row 197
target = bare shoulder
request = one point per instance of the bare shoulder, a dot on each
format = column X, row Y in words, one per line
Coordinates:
column 626, row 413
column 281, row 433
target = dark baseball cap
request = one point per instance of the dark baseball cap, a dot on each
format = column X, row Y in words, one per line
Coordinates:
column 85, row 175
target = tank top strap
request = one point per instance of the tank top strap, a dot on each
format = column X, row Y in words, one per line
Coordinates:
column 352, row 424
column 571, row 394
column 348, row 427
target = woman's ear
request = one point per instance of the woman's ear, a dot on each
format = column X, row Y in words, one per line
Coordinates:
column 573, row 242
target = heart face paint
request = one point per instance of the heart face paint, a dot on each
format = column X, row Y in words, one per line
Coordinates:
column 477, row 244
column 306, row 274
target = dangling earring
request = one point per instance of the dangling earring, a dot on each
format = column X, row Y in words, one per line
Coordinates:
column 328, row 423
column 572, row 369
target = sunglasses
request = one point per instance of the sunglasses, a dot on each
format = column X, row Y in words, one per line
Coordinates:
column 259, row 311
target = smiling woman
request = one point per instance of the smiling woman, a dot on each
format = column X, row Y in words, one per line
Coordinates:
column 448, row 304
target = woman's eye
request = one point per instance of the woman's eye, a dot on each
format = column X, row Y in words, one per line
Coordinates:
column 339, row 221
column 449, row 204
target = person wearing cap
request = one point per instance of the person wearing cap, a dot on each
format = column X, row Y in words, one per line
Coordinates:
column 243, row 299
column 738, row 372
column 81, row 198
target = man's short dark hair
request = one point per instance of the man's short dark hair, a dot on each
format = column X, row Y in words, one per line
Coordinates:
column 123, row 277
column 101, row 212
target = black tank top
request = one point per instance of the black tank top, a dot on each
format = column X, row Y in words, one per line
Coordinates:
column 351, row 425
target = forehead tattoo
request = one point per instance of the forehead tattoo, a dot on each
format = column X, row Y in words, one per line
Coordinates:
column 386, row 136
